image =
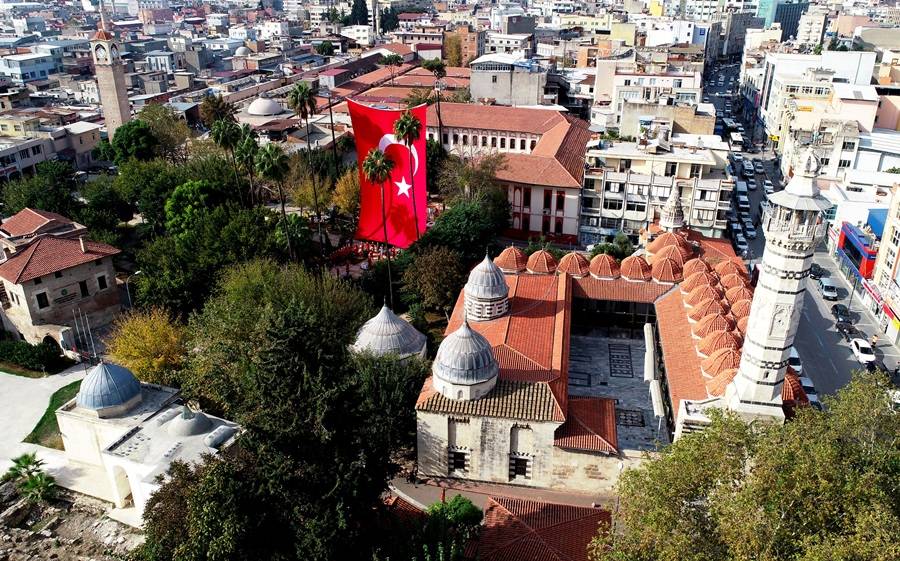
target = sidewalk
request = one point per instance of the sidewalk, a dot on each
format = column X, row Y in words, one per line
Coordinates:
column 427, row 492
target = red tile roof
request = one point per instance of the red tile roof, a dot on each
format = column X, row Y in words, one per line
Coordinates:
column 29, row 221
column 666, row 270
column 719, row 340
column 698, row 279
column 792, row 393
column 704, row 292
column 721, row 360
column 618, row 290
column 732, row 280
column 742, row 325
column 50, row 254
column 524, row 530
column 728, row 267
column 738, row 293
column 707, row 307
column 667, row 239
column 604, row 266
column 717, row 385
column 682, row 363
column 741, row 309
column 541, row 262
column 635, row 268
column 511, row 260
column 713, row 323
column 590, row 426
column 676, row 252
column 574, row 264
column 696, row 265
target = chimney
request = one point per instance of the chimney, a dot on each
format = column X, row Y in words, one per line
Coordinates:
column 81, row 241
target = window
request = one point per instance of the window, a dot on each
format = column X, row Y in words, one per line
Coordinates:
column 587, row 202
column 518, row 467
column 446, row 139
column 35, row 150
column 844, row 164
column 82, row 285
column 547, row 197
column 493, row 142
column 101, row 282
column 37, row 281
column 848, row 145
column 613, row 187
column 612, row 204
column 671, row 168
column 483, row 141
column 503, row 142
column 465, row 139
column 494, row 79
column 521, row 144
column 895, row 237
column 533, row 144
column 457, row 461
column 636, row 206
column 695, row 170
column 455, row 138
column 42, row 300
column 526, row 197
column 560, row 200
column 58, row 274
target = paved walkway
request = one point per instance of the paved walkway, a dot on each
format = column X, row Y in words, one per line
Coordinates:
column 24, row 401
column 425, row 493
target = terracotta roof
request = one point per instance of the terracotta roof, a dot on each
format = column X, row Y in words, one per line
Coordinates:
column 604, row 266
column 741, row 325
column 704, row 292
column 721, row 360
column 590, row 426
column 717, row 385
column 574, row 264
column 676, row 252
column 667, row 239
column 496, row 117
column 713, row 323
column 635, row 268
column 510, row 399
column 707, row 307
column 728, row 267
column 525, row 530
column 698, row 279
column 696, row 265
column 718, row 340
column 740, row 309
column 511, row 260
column 29, row 221
column 50, row 254
column 102, row 35
column 541, row 262
column 732, row 280
column 396, row 48
column 738, row 293
column 682, row 363
column 666, row 270
column 618, row 290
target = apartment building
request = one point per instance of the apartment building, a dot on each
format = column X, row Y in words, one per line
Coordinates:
column 627, row 183
column 29, row 67
column 811, row 27
column 507, row 80
column 471, row 41
column 519, row 43
column 887, row 269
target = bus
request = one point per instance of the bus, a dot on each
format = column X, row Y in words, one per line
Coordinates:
column 736, row 141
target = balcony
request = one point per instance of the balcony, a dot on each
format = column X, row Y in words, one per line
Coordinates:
column 792, row 230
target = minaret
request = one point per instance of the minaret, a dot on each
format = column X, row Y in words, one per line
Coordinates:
column 793, row 227
column 671, row 216
column 110, row 77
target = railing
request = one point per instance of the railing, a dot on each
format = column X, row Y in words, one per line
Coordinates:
column 790, row 226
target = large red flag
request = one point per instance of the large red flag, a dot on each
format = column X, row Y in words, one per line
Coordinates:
column 404, row 193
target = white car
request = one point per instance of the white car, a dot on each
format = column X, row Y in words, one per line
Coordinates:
column 795, row 362
column 862, row 351
column 751, row 184
column 828, row 289
column 768, row 187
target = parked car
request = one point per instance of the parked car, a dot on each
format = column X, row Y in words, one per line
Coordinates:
column 749, row 230
column 740, row 243
column 816, row 272
column 758, row 167
column 751, row 184
column 862, row 351
column 768, row 187
column 743, row 204
column 847, row 331
column 828, row 289
column 841, row 313
column 794, row 361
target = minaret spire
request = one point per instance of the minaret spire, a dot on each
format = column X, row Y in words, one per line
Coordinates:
column 671, row 216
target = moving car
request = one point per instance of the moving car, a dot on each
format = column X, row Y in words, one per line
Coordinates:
column 794, row 361
column 862, row 351
column 759, row 167
column 751, row 184
column 768, row 187
column 841, row 313
column 828, row 289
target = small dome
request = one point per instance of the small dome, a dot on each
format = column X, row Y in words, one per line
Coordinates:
column 675, row 252
column 264, row 107
column 738, row 293
column 719, row 340
column 107, row 385
column 604, row 266
column 486, row 292
column 242, row 51
column 711, row 324
column 465, row 358
column 698, row 279
column 574, row 264
column 666, row 270
column 696, row 265
column 541, row 262
column 701, row 293
column 707, row 307
column 741, row 308
column 742, row 325
column 717, row 385
column 386, row 333
column 728, row 267
column 732, row 280
column 719, row 361
column 189, row 423
column 511, row 260
column 635, row 268
column 667, row 239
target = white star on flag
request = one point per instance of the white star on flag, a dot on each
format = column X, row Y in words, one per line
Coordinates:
column 402, row 187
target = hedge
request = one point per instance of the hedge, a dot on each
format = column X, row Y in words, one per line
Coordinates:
column 43, row 357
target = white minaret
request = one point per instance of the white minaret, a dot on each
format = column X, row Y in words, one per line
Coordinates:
column 671, row 216
column 793, row 227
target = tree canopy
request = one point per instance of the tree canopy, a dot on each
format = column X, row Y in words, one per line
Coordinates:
column 134, row 140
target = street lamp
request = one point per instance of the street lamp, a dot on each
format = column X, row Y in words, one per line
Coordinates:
column 326, row 93
column 127, row 291
column 438, row 87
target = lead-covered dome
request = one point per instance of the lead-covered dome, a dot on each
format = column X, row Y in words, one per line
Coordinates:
column 189, row 423
column 108, row 389
column 264, row 107
column 242, row 51
column 465, row 367
column 486, row 293
column 387, row 334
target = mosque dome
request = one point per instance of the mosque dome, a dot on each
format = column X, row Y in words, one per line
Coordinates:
column 695, row 265
column 465, row 367
column 604, row 266
column 242, row 51
column 264, row 107
column 711, row 324
column 703, row 292
column 386, row 334
column 732, row 280
column 728, row 267
column 635, row 268
column 541, row 262
column 486, row 292
column 189, row 423
column 718, row 340
column 108, row 389
column 736, row 293
column 574, row 264
column 719, row 361
column 707, row 307
column 742, row 323
column 697, row 280
column 511, row 260
column 666, row 270
column 676, row 252
column 741, row 309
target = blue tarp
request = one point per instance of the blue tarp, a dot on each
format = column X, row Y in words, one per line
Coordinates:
column 876, row 220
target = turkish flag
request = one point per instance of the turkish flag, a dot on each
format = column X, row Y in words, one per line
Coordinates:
column 405, row 198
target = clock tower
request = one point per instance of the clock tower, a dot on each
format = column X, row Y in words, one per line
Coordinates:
column 110, row 78
column 793, row 226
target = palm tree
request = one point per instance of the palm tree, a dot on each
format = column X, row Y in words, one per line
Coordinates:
column 272, row 163
column 245, row 153
column 436, row 67
column 227, row 134
column 23, row 467
column 408, row 129
column 377, row 168
column 302, row 101
column 392, row 61
column 38, row 487
column 215, row 108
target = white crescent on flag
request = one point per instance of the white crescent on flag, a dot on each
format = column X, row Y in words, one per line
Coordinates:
column 390, row 139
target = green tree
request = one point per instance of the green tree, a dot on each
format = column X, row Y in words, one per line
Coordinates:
column 393, row 62
column 620, row 248
column 104, row 208
column 325, row 48
column 346, row 193
column 465, row 228
column 272, row 164
column 227, row 135
column 50, row 189
column 188, row 203
column 377, row 167
column 134, row 140
column 435, row 157
column 150, row 343
column 435, row 277
column 215, row 108
column 171, row 132
column 439, row 70
column 302, row 101
column 359, row 13
column 893, row 170
column 390, row 20
column 453, row 50
column 408, row 129
column 245, row 155
column 822, row 486
column 24, row 466
column 419, row 96
column 147, row 185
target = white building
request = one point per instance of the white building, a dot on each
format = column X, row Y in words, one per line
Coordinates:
column 27, row 67
column 509, row 43
column 811, row 28
column 272, row 29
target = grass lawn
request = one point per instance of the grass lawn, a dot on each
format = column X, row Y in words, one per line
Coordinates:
column 20, row 371
column 46, row 432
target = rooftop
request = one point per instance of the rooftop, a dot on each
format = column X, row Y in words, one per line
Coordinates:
column 48, row 255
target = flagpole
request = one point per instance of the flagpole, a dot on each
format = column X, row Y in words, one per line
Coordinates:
column 387, row 246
